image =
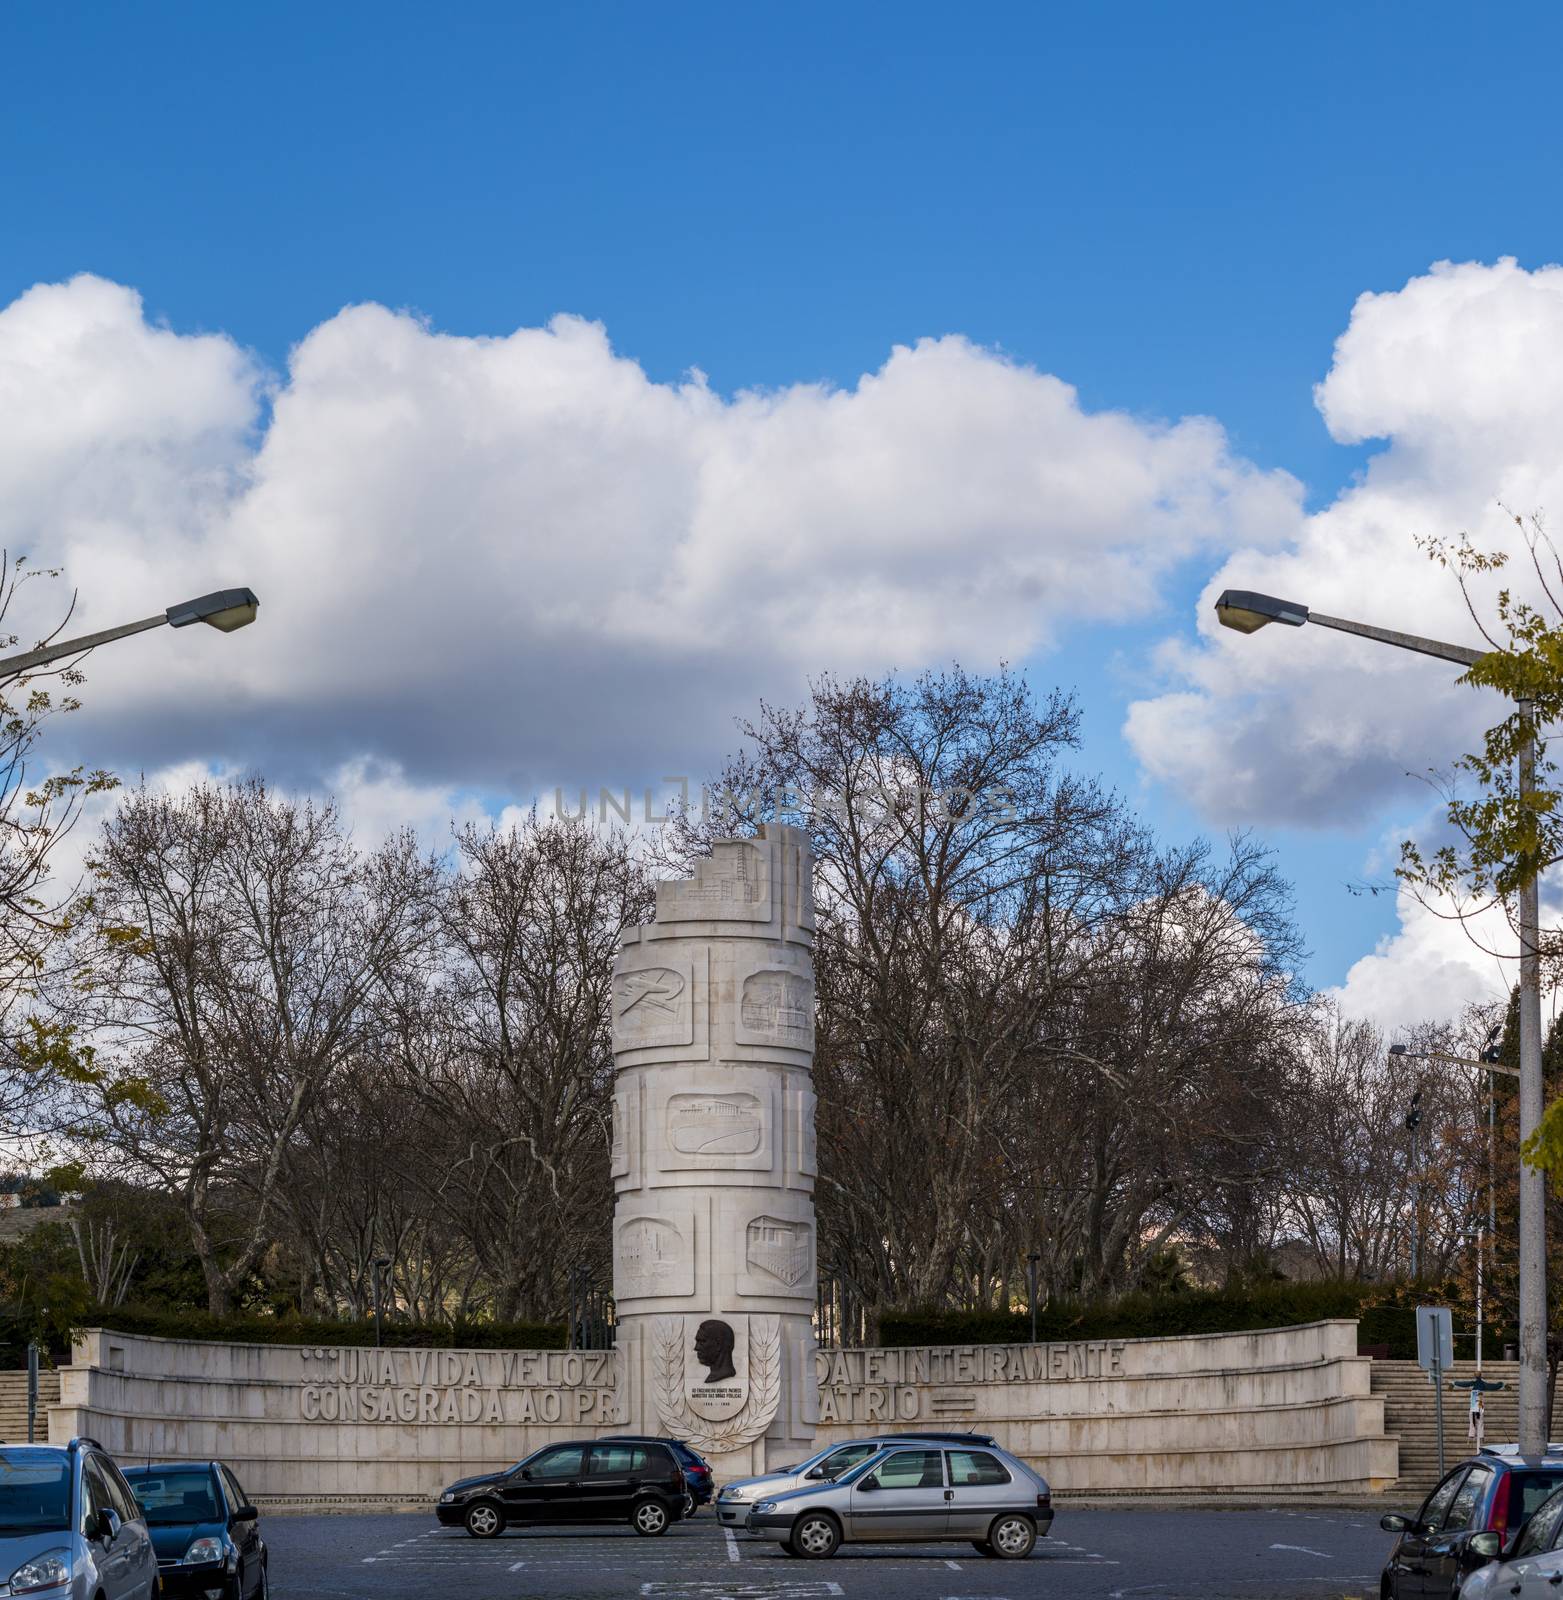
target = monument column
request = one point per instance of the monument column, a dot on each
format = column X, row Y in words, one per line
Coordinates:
column 713, row 1157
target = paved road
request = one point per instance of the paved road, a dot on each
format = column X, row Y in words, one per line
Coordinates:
column 1093, row 1555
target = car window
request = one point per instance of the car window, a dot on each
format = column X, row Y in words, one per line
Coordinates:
column 911, row 1469
column 618, row 1459
column 236, row 1494
column 1462, row 1509
column 34, row 1490
column 176, row 1496
column 1534, row 1487
column 1435, row 1507
column 563, row 1461
column 95, row 1498
column 1539, row 1530
column 124, row 1501
column 973, row 1467
column 838, row 1461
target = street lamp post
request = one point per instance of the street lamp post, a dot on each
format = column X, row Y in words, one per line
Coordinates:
column 1247, row 612
column 223, row 609
column 378, row 1269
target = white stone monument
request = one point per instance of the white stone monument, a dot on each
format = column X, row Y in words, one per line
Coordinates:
column 713, row 1157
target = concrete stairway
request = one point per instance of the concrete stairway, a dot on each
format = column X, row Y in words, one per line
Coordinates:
column 13, row 1405
column 1409, row 1415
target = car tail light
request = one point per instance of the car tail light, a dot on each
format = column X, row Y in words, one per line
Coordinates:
column 1498, row 1516
column 1045, row 1501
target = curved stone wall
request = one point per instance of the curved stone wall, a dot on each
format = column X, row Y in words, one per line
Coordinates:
column 1285, row 1409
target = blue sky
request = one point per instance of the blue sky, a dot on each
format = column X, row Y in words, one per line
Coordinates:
column 1173, row 208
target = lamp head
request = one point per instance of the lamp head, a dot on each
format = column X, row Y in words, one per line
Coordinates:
column 224, row 609
column 1248, row 612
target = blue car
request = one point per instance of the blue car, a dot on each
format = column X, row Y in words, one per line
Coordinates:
column 70, row 1528
column 207, row 1534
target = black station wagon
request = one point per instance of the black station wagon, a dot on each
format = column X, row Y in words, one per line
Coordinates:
column 640, row 1482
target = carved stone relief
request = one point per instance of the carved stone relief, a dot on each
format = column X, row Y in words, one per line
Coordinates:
column 715, row 1124
column 653, row 1257
column 653, row 1005
column 779, row 1249
column 776, row 1006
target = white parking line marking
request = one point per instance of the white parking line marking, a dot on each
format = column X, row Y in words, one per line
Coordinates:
column 1303, row 1549
column 954, row 1566
column 516, row 1566
column 732, row 1544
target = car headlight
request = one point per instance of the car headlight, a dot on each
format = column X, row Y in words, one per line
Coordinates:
column 48, row 1571
column 204, row 1550
column 447, row 1497
column 765, row 1505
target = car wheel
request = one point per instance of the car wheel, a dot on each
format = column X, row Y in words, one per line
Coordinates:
column 982, row 1547
column 650, row 1517
column 1012, row 1537
column 815, row 1536
column 484, row 1520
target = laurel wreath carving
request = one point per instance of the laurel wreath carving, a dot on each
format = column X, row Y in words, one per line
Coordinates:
column 667, row 1380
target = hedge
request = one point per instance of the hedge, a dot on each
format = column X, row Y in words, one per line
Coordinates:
column 297, row 1330
column 1385, row 1316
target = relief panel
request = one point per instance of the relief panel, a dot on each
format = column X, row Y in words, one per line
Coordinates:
column 732, row 884
column 723, row 1124
column 653, row 1256
column 778, row 1257
column 776, row 1007
column 653, row 1002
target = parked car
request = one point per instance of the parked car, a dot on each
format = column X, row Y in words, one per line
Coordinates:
column 204, row 1529
column 1533, row 1567
column 70, row 1528
column 697, row 1470
column 732, row 1504
column 906, row 1494
column 1475, row 1510
column 587, row 1480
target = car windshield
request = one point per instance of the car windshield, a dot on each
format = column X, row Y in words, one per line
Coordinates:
column 35, row 1491
column 182, row 1494
column 854, row 1473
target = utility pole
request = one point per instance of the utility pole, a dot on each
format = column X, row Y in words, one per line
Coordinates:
column 1533, row 1182
column 1247, row 612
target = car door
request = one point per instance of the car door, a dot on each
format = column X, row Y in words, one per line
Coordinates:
column 614, row 1474
column 902, row 1497
column 977, row 1491
column 141, row 1559
column 547, row 1488
column 1441, row 1566
column 113, row 1555
column 246, row 1534
column 1408, row 1563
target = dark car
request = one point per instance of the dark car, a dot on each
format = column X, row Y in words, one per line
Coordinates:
column 1493, row 1492
column 640, row 1482
column 204, row 1529
column 697, row 1470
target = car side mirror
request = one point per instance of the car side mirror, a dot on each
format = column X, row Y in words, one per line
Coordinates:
column 244, row 1513
column 108, row 1525
column 526, row 1472
column 870, row 1482
column 1394, row 1522
column 815, row 1472
column 1483, row 1547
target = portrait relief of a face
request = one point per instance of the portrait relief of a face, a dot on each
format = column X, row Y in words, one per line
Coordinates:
column 714, row 1350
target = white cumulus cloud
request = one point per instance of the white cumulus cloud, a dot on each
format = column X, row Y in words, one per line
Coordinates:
column 513, row 561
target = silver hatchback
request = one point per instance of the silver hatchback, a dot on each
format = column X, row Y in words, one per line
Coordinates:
column 70, row 1527
column 733, row 1503
column 914, row 1494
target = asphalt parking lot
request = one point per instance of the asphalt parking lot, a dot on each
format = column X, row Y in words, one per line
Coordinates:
column 1093, row 1555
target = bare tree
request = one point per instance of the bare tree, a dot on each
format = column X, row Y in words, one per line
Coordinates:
column 232, row 945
